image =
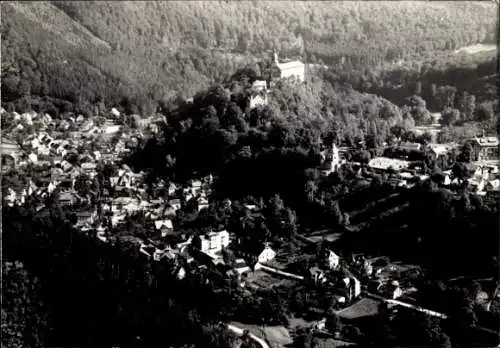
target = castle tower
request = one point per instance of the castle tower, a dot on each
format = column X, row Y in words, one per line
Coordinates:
column 276, row 57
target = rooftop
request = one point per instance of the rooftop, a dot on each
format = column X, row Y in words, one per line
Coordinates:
column 487, row 141
column 386, row 163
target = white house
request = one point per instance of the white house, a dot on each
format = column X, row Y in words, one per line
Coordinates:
column 202, row 203
column 333, row 260
column 295, row 69
column 257, row 98
column 267, row 254
column 215, row 241
column 165, row 226
column 115, row 112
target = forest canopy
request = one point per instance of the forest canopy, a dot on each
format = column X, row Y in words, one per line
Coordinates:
column 88, row 52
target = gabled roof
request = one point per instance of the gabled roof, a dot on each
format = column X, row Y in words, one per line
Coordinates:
column 163, row 223
column 291, row 65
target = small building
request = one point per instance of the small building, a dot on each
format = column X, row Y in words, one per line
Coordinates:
column 267, row 254
column 165, row 226
column 257, row 99
column 175, row 204
column 259, row 85
column 330, row 160
column 214, row 242
column 202, row 203
column 317, row 275
column 407, row 146
column 241, row 267
column 484, row 148
column 333, row 260
column 386, row 164
column 68, row 198
column 293, row 69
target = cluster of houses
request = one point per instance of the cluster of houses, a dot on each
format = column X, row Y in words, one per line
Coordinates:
column 484, row 158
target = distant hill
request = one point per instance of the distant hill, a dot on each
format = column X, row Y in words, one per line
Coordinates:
column 143, row 52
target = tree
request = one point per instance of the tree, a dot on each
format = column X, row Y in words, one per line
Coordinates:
column 449, row 117
column 333, row 322
column 83, row 185
column 461, row 171
column 482, row 113
column 228, row 257
column 23, row 312
column 465, row 153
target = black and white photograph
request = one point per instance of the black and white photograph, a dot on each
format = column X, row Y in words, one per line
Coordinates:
column 250, row 174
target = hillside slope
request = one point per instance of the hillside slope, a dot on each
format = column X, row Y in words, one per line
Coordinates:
column 149, row 51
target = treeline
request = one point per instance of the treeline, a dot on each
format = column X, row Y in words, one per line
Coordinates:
column 462, row 74
column 150, row 52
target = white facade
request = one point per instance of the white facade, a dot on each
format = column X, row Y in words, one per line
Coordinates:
column 266, row 255
column 333, row 260
column 215, row 241
column 293, row 69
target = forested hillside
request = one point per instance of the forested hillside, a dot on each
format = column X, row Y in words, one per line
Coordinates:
column 145, row 52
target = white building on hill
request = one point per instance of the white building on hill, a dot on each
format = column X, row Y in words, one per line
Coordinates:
column 294, row 69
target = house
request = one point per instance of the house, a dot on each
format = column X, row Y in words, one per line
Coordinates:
column 160, row 254
column 385, row 164
column 259, row 85
column 101, row 234
column 353, row 286
column 167, row 211
column 214, row 242
column 68, row 198
column 165, row 226
column 317, row 275
column 333, row 260
column 202, row 203
column 33, row 158
column 407, row 146
column 250, row 207
column 437, row 150
column 266, row 255
column 241, row 267
column 294, row 69
column 86, row 216
column 196, row 186
column 175, row 204
column 484, row 148
column 330, row 160
column 392, row 290
column 492, row 186
column 66, row 166
column 257, row 98
column 88, row 167
column 172, row 188
column 115, row 112
column 180, row 273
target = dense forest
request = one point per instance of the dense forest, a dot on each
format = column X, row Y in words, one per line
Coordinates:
column 144, row 53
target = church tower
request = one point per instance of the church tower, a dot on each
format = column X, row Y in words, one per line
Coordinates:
column 275, row 55
column 330, row 160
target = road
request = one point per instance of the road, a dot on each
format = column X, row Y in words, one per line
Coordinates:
column 239, row 331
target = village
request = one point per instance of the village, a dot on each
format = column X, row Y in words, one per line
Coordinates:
column 67, row 156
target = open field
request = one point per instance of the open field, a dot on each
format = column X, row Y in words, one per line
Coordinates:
column 477, row 48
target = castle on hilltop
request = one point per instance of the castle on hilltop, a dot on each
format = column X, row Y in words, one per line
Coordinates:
column 295, row 69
